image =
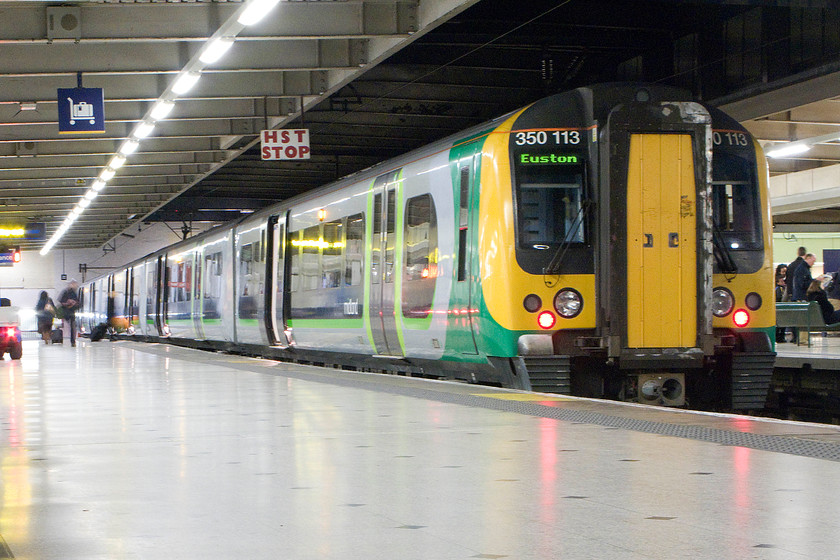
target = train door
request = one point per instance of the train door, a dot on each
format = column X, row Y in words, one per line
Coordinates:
column 661, row 242
column 198, row 294
column 277, row 302
column 383, row 322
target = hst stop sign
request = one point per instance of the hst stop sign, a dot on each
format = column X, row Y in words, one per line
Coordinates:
column 285, row 144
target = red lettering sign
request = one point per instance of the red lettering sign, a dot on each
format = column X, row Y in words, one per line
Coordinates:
column 285, row 144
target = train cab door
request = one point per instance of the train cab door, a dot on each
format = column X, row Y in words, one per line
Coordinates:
column 383, row 272
column 661, row 242
column 655, row 252
column 277, row 300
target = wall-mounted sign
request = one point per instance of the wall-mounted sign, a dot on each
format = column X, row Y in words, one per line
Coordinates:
column 285, row 144
column 33, row 231
column 81, row 110
column 9, row 256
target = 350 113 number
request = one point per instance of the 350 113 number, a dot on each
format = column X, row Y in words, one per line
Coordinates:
column 541, row 137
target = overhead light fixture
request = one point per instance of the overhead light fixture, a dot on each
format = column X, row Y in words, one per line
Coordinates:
column 78, row 210
column 215, row 49
column 98, row 185
column 117, row 162
column 143, row 129
column 185, row 82
column 802, row 146
column 129, row 147
column 789, row 150
column 162, row 109
column 28, row 106
column 91, row 194
column 255, row 11
column 84, row 203
column 107, row 174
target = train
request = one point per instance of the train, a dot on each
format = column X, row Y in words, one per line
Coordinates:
column 612, row 241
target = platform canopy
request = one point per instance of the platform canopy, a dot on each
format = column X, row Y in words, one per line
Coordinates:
column 374, row 78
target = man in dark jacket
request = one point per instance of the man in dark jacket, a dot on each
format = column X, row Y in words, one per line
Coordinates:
column 802, row 278
column 791, row 269
column 69, row 300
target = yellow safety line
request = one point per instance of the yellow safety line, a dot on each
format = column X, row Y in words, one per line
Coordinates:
column 521, row 397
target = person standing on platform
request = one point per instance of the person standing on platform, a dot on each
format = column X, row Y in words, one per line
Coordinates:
column 69, row 300
column 45, row 312
column 791, row 269
column 781, row 292
column 802, row 278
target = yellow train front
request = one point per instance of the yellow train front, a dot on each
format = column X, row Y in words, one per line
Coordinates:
column 626, row 251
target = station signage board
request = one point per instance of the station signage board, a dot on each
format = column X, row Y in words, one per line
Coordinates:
column 9, row 256
column 284, row 144
column 81, row 110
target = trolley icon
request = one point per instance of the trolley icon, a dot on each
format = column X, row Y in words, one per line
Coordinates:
column 81, row 111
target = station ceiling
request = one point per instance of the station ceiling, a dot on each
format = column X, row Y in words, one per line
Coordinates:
column 376, row 78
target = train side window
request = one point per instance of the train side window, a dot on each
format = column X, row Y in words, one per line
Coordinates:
column 421, row 257
column 354, row 250
column 293, row 251
column 332, row 255
column 376, row 242
column 463, row 215
column 310, row 273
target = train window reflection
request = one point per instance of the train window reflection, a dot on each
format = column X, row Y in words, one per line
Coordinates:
column 421, row 257
column 549, row 205
column 735, row 211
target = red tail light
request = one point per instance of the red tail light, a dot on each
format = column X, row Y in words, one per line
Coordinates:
column 11, row 332
column 546, row 319
column 741, row 318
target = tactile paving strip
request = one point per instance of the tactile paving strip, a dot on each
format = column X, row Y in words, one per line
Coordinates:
column 388, row 384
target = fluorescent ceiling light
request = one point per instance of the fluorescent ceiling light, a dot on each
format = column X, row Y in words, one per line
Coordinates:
column 129, row 147
column 98, row 185
column 215, row 49
column 78, row 210
column 143, row 129
column 84, row 203
column 117, row 162
column 789, row 150
column 91, row 194
column 185, row 82
column 162, row 109
column 107, row 174
column 255, row 11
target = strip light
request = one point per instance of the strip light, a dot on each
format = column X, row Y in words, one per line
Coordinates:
column 216, row 49
column 216, row 46
column 185, row 82
column 801, row 146
column 256, row 10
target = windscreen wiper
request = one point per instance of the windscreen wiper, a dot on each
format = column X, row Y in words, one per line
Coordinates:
column 554, row 265
column 723, row 257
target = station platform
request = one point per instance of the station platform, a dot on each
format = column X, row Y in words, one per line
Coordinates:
column 126, row 450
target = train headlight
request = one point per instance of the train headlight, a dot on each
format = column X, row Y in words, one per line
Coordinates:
column 722, row 302
column 568, row 303
column 753, row 301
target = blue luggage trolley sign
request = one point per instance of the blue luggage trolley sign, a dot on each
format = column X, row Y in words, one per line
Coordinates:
column 81, row 110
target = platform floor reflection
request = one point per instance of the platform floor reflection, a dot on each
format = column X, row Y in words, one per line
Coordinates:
column 124, row 450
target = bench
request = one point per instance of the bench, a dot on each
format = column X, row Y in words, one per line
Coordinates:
column 803, row 315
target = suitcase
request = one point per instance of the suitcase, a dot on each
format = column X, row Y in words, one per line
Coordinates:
column 57, row 336
column 98, row 332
